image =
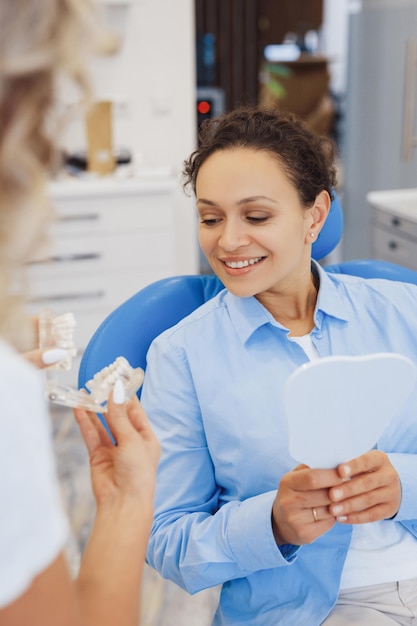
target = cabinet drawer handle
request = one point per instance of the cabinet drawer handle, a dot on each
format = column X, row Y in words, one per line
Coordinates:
column 395, row 221
column 68, row 258
column 392, row 245
column 58, row 297
column 79, row 217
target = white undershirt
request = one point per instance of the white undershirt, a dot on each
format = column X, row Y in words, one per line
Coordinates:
column 379, row 552
column 307, row 345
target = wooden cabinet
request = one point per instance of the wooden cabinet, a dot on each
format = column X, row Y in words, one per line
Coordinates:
column 110, row 239
column 394, row 226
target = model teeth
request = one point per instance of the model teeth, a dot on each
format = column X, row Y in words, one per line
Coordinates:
column 102, row 382
column 99, row 387
column 62, row 332
column 57, row 331
column 239, row 264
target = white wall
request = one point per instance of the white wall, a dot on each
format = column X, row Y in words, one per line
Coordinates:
column 151, row 81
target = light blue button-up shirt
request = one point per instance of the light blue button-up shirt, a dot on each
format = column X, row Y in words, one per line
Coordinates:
column 214, row 392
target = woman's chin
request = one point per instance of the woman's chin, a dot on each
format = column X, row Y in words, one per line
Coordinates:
column 239, row 290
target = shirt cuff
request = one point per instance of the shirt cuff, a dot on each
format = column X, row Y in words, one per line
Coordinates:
column 406, row 466
column 288, row 551
column 250, row 535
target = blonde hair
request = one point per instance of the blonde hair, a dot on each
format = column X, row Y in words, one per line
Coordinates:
column 40, row 40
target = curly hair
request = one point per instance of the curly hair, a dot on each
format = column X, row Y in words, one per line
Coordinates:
column 307, row 158
column 40, row 40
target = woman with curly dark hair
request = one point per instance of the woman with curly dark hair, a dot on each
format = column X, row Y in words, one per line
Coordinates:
column 289, row 544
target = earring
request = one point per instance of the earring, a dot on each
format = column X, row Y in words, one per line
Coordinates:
column 311, row 234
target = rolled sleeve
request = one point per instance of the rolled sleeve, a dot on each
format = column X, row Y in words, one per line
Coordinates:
column 406, row 466
column 250, row 534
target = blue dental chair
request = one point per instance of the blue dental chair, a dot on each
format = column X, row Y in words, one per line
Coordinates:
column 129, row 330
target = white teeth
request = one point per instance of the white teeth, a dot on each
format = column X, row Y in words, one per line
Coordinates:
column 238, row 264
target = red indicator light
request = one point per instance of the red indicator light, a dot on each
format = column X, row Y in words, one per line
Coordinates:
column 203, row 107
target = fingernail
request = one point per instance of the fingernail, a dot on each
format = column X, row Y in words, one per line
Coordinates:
column 118, row 392
column 54, row 355
column 337, row 494
column 341, row 518
column 337, row 509
column 345, row 470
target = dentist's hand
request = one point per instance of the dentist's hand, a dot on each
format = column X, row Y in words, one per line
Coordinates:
column 46, row 357
column 126, row 471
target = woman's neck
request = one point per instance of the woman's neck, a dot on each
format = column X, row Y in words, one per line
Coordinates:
column 294, row 310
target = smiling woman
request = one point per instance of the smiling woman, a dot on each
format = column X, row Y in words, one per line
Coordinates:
column 265, row 205
column 254, row 230
column 233, row 508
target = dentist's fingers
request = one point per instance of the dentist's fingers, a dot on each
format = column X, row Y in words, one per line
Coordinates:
column 42, row 358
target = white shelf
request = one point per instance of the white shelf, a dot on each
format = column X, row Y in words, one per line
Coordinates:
column 110, row 187
column 119, row 2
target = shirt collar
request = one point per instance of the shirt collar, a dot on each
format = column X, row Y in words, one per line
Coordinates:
column 248, row 314
column 329, row 300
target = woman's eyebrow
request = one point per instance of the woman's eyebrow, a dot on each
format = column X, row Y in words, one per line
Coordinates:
column 204, row 201
column 255, row 199
column 247, row 200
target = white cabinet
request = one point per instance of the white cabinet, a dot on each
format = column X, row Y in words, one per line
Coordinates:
column 394, row 226
column 110, row 239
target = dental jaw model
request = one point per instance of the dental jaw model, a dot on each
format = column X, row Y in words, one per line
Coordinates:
column 57, row 331
column 99, row 387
